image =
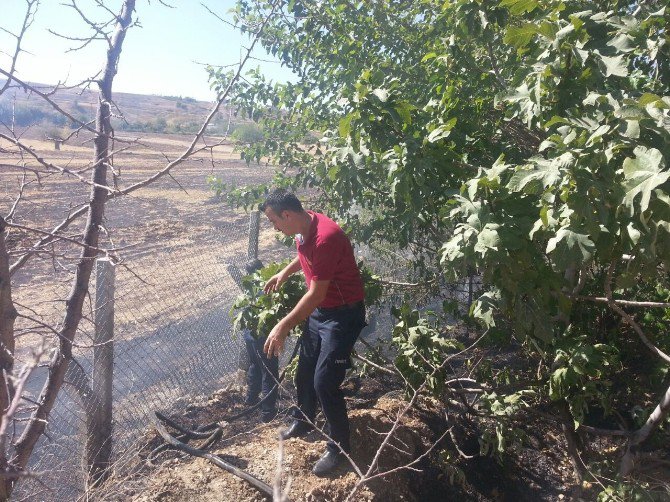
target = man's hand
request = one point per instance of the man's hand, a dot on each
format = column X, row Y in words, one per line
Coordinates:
column 282, row 276
column 275, row 341
column 274, row 282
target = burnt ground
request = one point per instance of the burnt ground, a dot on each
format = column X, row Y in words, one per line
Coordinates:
column 538, row 470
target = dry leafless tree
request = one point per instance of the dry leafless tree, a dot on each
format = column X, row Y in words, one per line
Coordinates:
column 25, row 243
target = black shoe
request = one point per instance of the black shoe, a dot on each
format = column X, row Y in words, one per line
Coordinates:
column 328, row 462
column 296, row 429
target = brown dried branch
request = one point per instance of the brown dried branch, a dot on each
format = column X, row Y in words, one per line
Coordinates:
column 59, row 362
column 60, row 237
column 76, row 377
column 375, row 365
column 639, row 436
column 191, row 149
column 46, row 97
column 98, row 28
column 603, row 432
column 49, row 165
column 50, row 329
column 624, row 303
column 628, row 319
column 8, row 415
column 458, row 449
column 47, row 239
column 85, row 40
column 19, row 197
column 224, row 21
column 99, row 196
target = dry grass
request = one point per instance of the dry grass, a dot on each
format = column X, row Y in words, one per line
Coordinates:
column 171, row 212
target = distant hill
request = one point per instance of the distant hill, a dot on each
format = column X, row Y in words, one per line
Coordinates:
column 136, row 112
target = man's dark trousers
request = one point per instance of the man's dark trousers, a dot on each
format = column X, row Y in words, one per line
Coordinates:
column 262, row 374
column 327, row 341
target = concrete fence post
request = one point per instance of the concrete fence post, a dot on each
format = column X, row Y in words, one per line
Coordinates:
column 254, row 230
column 99, row 419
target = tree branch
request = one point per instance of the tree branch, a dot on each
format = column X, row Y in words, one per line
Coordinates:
column 639, row 436
column 27, row 21
column 624, row 303
column 627, row 318
column 375, row 461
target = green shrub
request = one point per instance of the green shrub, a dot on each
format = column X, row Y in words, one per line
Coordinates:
column 259, row 312
column 248, row 133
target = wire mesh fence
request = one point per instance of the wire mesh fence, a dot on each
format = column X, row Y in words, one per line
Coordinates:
column 172, row 341
column 158, row 334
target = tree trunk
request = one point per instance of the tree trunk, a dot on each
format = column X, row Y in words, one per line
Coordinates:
column 7, row 317
column 572, row 441
column 641, row 435
column 74, row 303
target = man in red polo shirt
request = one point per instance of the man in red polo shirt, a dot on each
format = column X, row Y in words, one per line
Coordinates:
column 335, row 313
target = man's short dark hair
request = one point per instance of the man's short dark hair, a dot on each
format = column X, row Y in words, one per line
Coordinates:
column 280, row 200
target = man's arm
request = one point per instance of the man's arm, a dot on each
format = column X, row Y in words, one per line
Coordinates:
column 310, row 300
column 280, row 278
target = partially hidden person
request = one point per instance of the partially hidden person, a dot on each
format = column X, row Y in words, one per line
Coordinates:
column 263, row 371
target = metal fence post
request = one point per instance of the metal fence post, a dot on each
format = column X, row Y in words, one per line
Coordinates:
column 470, row 289
column 99, row 419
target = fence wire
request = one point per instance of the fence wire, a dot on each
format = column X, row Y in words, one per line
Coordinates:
column 173, row 343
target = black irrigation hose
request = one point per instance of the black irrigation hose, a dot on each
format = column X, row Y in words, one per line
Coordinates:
column 206, row 431
column 216, row 435
column 185, row 433
column 255, row 482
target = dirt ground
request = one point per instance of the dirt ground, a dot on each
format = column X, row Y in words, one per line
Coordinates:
column 532, row 473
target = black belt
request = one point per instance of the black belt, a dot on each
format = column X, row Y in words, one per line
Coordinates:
column 345, row 306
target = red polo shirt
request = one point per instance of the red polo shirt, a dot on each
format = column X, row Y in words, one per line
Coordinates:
column 326, row 254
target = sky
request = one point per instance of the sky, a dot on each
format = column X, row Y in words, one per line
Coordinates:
column 164, row 56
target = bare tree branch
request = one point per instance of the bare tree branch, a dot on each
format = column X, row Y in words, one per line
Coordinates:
column 627, row 318
column 15, row 205
column 27, row 21
column 58, row 237
column 639, row 436
column 49, row 165
column 96, row 27
column 365, row 478
column 8, row 413
column 625, row 303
